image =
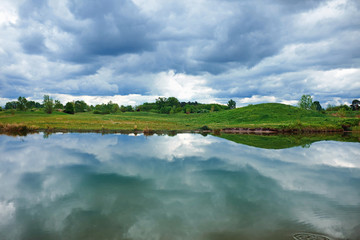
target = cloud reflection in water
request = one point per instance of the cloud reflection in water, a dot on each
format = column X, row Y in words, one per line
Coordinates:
column 92, row 186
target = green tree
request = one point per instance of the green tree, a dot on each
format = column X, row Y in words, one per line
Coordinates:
column 11, row 105
column 115, row 108
column 316, row 106
column 305, row 102
column 231, row 104
column 355, row 105
column 48, row 104
column 69, row 108
column 341, row 112
column 122, row 108
column 32, row 104
column 80, row 106
column 160, row 102
column 58, row 105
column 129, row 108
column 146, row 107
column 172, row 101
column 21, row 104
column 165, row 109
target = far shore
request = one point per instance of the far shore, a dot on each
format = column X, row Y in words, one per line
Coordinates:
column 270, row 118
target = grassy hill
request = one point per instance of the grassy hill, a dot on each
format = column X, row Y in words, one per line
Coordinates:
column 276, row 116
column 269, row 115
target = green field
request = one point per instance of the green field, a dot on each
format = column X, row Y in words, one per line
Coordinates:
column 270, row 115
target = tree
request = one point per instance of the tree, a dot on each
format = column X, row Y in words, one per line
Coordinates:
column 129, row 108
column 80, row 106
column 11, row 105
column 21, row 104
column 165, row 109
column 305, row 102
column 122, row 108
column 48, row 104
column 33, row 104
column 316, row 106
column 231, row 104
column 58, row 105
column 160, row 102
column 69, row 108
column 355, row 105
column 173, row 101
column 115, row 108
column 165, row 105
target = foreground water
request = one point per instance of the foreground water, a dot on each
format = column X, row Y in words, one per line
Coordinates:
column 92, row 186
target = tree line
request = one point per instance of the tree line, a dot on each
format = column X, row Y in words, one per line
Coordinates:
column 306, row 102
column 161, row 105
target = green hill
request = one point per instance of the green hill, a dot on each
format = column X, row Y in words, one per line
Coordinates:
column 277, row 116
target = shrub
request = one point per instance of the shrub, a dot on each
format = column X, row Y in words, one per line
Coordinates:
column 305, row 102
column 341, row 112
column 48, row 104
column 205, row 128
column 69, row 108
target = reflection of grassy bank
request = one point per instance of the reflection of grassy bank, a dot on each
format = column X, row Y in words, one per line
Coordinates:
column 280, row 141
column 274, row 116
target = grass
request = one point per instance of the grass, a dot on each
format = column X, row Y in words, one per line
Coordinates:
column 281, row 141
column 89, row 121
column 277, row 116
column 17, row 129
column 271, row 115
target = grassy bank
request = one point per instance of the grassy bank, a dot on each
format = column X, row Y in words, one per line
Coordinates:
column 272, row 115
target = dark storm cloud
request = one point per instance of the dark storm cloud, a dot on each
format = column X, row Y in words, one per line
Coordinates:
column 115, row 27
column 245, row 38
column 98, row 28
column 248, row 32
column 33, row 44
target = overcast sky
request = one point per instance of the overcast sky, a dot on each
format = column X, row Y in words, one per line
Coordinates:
column 132, row 51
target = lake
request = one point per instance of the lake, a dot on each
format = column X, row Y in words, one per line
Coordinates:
column 187, row 186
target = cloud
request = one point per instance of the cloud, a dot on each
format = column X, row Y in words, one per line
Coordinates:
column 182, row 86
column 99, row 28
column 33, row 44
column 8, row 13
column 217, row 50
column 131, row 99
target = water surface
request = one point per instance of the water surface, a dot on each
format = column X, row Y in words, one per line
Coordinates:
column 92, row 186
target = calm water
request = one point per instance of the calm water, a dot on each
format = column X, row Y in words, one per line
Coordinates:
column 92, row 186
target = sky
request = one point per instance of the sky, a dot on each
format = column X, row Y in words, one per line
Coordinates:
column 133, row 51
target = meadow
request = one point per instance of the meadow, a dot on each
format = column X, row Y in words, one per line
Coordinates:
column 278, row 117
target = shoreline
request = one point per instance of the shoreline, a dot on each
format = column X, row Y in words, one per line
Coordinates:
column 257, row 119
column 21, row 129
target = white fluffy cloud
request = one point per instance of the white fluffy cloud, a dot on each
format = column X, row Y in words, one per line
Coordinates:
column 182, row 86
